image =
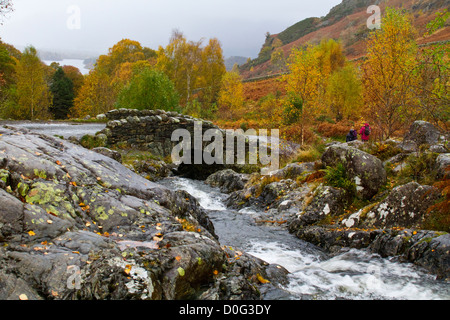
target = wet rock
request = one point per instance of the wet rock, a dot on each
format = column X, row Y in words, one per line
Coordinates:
column 366, row 170
column 76, row 224
column 153, row 170
column 428, row 249
column 227, row 180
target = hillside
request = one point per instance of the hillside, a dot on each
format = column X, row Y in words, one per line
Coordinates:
column 346, row 22
column 231, row 61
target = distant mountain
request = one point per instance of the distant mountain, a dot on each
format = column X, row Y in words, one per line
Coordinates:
column 347, row 22
column 231, row 61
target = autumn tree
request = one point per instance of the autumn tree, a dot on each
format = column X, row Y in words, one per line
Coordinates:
column 433, row 71
column 211, row 71
column 388, row 73
column 330, row 56
column 303, row 85
column 344, row 93
column 181, row 60
column 32, row 89
column 77, row 78
column 96, row 96
column 148, row 89
column 7, row 66
column 231, row 95
column 193, row 67
column 62, row 91
column 125, row 50
column 112, row 72
column 278, row 59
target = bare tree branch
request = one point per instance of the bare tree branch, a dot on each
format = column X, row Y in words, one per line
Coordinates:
column 6, row 7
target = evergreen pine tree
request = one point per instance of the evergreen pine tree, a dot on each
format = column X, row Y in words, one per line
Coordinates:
column 63, row 94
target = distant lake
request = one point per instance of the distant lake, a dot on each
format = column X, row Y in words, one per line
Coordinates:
column 71, row 62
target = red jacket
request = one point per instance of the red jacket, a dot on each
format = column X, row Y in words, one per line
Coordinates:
column 362, row 132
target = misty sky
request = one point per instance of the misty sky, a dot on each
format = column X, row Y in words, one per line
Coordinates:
column 240, row 25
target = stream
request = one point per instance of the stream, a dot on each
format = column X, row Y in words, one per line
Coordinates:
column 352, row 274
column 59, row 128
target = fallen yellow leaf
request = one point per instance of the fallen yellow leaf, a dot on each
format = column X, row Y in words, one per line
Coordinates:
column 261, row 279
column 31, row 233
column 23, row 296
column 127, row 269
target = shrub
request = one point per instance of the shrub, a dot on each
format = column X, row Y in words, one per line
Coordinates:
column 421, row 166
column 89, row 141
column 337, row 177
column 293, row 133
column 438, row 217
column 384, row 150
column 334, row 130
column 149, row 89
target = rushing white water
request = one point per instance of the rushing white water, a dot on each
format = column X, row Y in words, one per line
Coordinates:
column 352, row 274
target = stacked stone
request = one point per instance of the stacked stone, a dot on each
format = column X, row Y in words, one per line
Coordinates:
column 149, row 129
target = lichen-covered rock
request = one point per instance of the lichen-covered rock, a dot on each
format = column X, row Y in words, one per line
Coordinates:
column 75, row 224
column 294, row 170
column 406, row 206
column 327, row 201
column 365, row 170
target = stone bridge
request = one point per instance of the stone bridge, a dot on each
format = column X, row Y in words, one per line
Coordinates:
column 151, row 130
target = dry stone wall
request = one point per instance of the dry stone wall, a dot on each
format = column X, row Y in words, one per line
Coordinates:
column 149, row 129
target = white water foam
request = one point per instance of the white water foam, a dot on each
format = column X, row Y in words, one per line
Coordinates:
column 356, row 275
column 208, row 200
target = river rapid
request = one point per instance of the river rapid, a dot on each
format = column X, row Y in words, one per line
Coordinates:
column 351, row 274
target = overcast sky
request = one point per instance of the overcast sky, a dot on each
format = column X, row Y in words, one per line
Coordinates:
column 96, row 25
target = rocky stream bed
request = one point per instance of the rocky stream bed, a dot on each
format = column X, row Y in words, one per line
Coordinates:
column 76, row 224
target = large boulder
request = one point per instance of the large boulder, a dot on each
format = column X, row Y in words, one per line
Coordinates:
column 326, row 201
column 227, row 180
column 366, row 170
column 420, row 132
column 75, row 224
column 405, row 207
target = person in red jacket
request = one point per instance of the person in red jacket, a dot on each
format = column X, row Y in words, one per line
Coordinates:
column 365, row 132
